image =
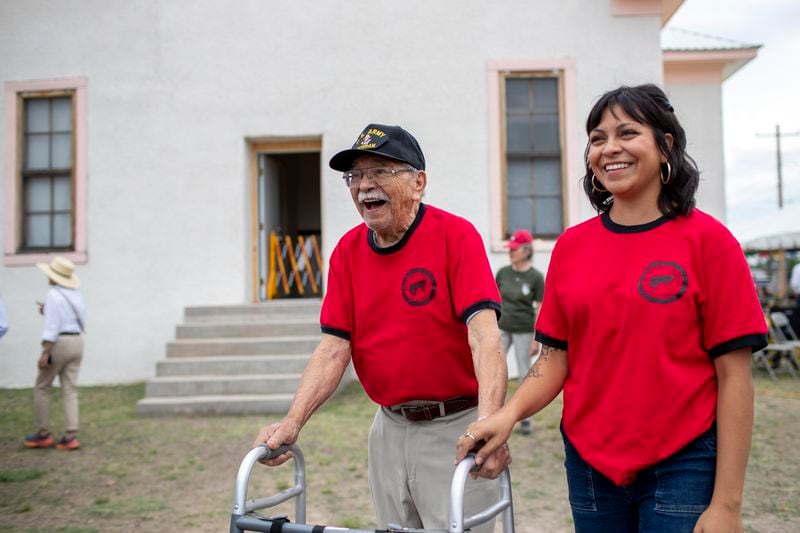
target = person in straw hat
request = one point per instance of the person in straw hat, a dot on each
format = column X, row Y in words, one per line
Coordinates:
column 62, row 351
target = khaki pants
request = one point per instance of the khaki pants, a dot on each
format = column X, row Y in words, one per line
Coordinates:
column 411, row 468
column 67, row 353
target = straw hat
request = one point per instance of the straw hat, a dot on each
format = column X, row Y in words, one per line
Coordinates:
column 62, row 271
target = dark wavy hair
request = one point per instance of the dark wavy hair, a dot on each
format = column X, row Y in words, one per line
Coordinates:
column 647, row 104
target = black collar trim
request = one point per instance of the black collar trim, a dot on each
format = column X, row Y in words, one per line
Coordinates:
column 396, row 247
column 612, row 226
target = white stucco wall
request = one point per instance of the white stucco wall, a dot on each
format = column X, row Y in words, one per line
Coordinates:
column 175, row 88
column 699, row 108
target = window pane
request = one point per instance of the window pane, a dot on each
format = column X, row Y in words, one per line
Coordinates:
column 62, row 194
column 517, row 94
column 548, row 216
column 62, row 230
column 62, row 150
column 37, row 194
column 520, row 180
column 534, row 181
column 36, row 152
column 547, row 173
column 545, row 133
column 518, row 136
column 545, row 95
column 37, row 115
column 62, row 114
column 37, row 230
column 520, row 213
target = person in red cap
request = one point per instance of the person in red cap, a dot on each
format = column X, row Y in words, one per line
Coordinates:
column 521, row 288
column 412, row 302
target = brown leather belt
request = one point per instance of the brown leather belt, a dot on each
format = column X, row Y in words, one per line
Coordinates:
column 432, row 411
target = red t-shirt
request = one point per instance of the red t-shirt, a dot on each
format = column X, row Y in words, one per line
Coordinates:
column 642, row 311
column 404, row 308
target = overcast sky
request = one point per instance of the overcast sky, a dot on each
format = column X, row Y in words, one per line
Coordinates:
column 763, row 93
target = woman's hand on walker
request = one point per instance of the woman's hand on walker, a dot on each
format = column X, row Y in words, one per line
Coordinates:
column 275, row 435
column 487, row 438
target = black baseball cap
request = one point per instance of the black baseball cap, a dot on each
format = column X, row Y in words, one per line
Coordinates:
column 387, row 141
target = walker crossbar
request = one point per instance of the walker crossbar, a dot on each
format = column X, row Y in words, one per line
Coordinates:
column 244, row 519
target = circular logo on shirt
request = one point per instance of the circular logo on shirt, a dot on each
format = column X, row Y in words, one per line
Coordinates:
column 663, row 282
column 419, row 286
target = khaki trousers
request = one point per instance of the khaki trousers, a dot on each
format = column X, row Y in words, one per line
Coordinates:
column 67, row 353
column 411, row 468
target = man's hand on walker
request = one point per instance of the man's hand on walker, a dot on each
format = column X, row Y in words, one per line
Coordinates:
column 275, row 435
column 494, row 464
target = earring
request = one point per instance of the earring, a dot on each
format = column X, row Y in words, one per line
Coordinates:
column 669, row 174
column 595, row 187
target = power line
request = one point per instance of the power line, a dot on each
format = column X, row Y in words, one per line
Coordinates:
column 778, row 136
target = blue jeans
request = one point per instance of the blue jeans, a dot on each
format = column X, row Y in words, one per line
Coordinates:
column 667, row 497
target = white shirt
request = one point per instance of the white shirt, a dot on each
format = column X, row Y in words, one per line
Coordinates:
column 794, row 282
column 59, row 316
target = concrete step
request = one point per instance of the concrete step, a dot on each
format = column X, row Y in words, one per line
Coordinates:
column 231, row 365
column 174, row 386
column 239, row 404
column 277, row 309
column 243, row 346
column 251, row 328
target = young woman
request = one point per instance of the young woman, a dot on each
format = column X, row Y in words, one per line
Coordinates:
column 648, row 326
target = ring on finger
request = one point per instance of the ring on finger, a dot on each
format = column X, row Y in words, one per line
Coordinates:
column 470, row 435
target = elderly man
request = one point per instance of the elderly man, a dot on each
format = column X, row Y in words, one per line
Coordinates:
column 412, row 300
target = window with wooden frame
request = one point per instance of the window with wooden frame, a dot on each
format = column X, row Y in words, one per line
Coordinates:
column 47, row 147
column 533, row 166
column 45, row 171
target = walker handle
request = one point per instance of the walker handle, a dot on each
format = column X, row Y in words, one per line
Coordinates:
column 458, row 523
column 240, row 504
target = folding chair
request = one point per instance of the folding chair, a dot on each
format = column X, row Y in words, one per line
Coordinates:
column 783, row 346
column 783, row 329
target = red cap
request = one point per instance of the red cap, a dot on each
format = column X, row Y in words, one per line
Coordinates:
column 519, row 238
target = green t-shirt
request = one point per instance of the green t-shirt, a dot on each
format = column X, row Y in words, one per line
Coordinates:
column 518, row 290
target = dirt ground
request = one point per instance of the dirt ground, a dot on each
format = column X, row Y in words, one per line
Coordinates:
column 177, row 474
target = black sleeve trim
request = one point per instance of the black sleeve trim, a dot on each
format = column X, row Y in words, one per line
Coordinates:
column 342, row 334
column 755, row 341
column 550, row 341
column 483, row 304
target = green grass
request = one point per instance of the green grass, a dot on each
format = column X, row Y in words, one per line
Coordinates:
column 25, row 474
column 138, row 507
column 180, row 471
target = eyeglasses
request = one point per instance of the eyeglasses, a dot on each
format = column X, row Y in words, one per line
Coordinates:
column 378, row 175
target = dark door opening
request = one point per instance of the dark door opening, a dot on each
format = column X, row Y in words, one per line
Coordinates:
column 289, row 224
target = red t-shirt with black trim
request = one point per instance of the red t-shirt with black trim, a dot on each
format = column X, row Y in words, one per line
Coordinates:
column 404, row 308
column 642, row 311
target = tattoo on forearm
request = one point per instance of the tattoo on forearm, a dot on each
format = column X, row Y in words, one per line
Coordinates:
column 536, row 370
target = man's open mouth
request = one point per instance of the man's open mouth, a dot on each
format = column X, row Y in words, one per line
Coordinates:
column 373, row 204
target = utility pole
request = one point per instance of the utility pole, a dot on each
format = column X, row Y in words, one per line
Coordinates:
column 778, row 136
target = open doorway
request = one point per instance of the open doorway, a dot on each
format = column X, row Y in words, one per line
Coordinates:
column 288, row 262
